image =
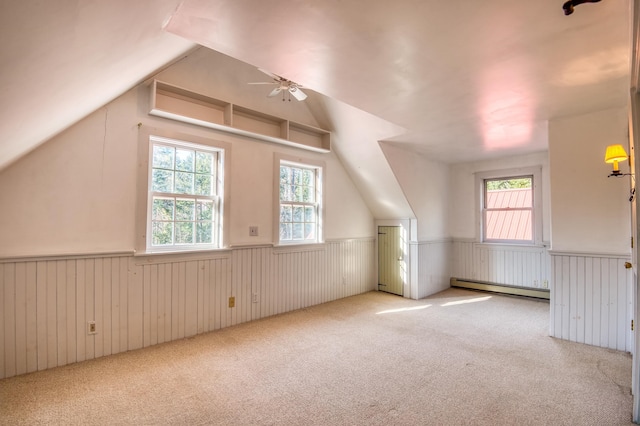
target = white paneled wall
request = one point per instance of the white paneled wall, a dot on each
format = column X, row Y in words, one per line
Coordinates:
column 591, row 300
column 434, row 267
column 501, row 264
column 142, row 301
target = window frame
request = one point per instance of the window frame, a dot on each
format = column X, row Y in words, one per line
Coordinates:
column 536, row 209
column 319, row 169
column 145, row 194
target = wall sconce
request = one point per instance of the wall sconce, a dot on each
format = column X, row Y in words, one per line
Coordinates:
column 614, row 154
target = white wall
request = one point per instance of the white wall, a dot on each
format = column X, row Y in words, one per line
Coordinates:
column 591, row 300
column 138, row 301
column 68, row 227
column 357, row 144
column 524, row 266
column 76, row 194
column 463, row 210
column 591, row 226
column 425, row 184
column 509, row 264
column 591, row 213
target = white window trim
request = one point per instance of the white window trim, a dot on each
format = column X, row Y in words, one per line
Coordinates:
column 142, row 241
column 320, row 194
column 480, row 178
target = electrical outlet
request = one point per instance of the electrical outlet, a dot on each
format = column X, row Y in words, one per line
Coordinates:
column 232, row 302
column 254, row 297
column 545, row 284
column 91, row 327
column 253, row 231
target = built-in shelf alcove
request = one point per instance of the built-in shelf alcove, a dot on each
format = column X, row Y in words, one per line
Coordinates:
column 181, row 104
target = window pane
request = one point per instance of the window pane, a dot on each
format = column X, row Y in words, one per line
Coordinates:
column 205, row 210
column 182, row 219
column 286, row 193
column 204, row 162
column 162, row 233
column 509, row 193
column 185, row 160
column 203, row 185
column 285, row 213
column 184, row 232
column 162, row 181
column 309, row 214
column 309, row 231
column 297, row 176
column 184, row 183
column 308, row 194
column 162, row 209
column 297, row 186
column 308, row 178
column 508, row 225
column 298, row 231
column 204, row 232
column 298, row 214
column 298, row 193
column 285, row 232
column 185, row 209
column 163, row 157
column 285, row 175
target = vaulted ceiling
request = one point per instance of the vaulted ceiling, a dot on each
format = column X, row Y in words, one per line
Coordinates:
column 458, row 80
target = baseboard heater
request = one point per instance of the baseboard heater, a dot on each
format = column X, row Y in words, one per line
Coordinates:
column 538, row 293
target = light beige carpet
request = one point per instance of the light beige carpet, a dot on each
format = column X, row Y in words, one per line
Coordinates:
column 458, row 358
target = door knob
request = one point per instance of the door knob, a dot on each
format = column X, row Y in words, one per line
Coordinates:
column 627, row 265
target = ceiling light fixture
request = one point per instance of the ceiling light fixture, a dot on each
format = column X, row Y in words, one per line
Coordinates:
column 284, row 86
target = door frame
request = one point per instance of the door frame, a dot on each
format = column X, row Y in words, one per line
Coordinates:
column 634, row 140
column 634, row 163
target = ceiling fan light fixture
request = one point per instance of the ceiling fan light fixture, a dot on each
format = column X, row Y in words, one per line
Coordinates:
column 283, row 85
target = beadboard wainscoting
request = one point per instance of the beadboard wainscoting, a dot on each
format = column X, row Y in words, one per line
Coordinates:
column 434, row 267
column 591, row 300
column 139, row 301
column 522, row 266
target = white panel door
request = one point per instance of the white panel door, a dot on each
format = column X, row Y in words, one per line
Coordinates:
column 390, row 259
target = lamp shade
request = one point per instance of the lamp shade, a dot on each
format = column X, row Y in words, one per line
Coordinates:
column 615, row 153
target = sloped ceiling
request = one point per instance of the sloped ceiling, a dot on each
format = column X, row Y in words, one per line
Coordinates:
column 454, row 81
column 61, row 60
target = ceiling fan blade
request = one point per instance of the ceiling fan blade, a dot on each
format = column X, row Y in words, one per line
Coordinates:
column 270, row 74
column 274, row 92
column 297, row 93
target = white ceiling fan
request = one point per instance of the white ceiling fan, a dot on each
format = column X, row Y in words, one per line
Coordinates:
column 283, row 86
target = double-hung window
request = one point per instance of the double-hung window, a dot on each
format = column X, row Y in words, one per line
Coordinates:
column 300, row 196
column 184, row 198
column 510, row 209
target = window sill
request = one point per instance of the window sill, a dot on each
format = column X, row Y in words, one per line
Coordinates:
column 150, row 257
column 512, row 245
column 298, row 247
